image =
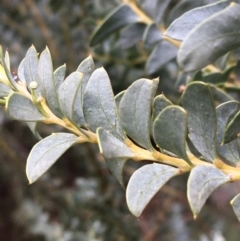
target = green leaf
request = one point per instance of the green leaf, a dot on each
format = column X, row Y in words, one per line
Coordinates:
column 131, row 35
column 230, row 151
column 59, row 76
column 135, row 110
column 112, row 147
column 170, row 131
column 159, row 103
column 117, row 19
column 145, row 183
column 32, row 126
column 47, row 82
column 22, row 108
column 236, row 206
column 198, row 102
column 116, row 166
column 68, row 94
column 99, row 105
column 31, row 66
column 5, row 90
column 184, row 24
column 152, row 35
column 46, row 152
column 232, row 129
column 211, row 39
column 203, row 180
column 162, row 53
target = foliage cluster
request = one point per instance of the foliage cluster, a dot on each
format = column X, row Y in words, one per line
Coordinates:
column 197, row 134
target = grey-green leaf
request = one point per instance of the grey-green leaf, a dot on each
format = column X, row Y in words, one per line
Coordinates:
column 68, row 94
column 180, row 27
column 170, row 131
column 112, row 147
column 11, row 80
column 59, row 76
column 232, row 129
column 86, row 67
column 31, row 66
column 116, row 166
column 203, row 180
column 202, row 123
column 22, row 108
column 32, row 126
column 46, row 152
column 145, row 183
column 229, row 151
column 21, row 70
column 135, row 110
column 211, row 39
column 99, row 106
column 162, row 53
column 5, row 90
column 159, row 103
column 117, row 19
column 151, row 35
column 118, row 98
column 155, row 8
column 131, row 35
column 47, row 82
column 235, row 202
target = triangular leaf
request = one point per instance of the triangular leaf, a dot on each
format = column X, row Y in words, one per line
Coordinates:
column 22, row 108
column 46, row 152
column 135, row 110
column 236, row 206
column 47, row 82
column 203, row 180
column 145, row 183
column 162, row 53
column 117, row 19
column 112, row 147
column 99, row 105
column 211, row 39
column 230, row 151
column 202, row 125
column 170, row 131
column 184, row 24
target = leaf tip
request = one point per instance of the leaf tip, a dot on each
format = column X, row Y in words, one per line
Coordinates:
column 194, row 216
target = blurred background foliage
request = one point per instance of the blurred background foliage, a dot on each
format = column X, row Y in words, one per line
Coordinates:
column 78, row 199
